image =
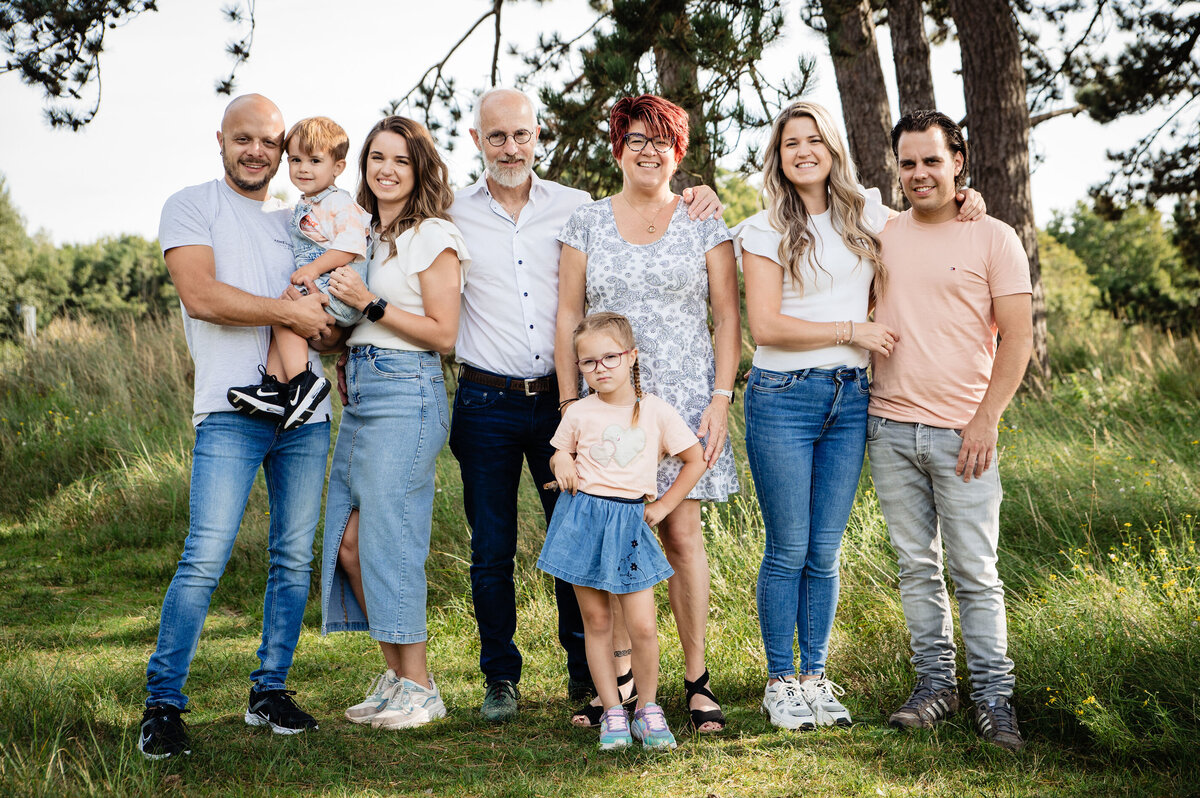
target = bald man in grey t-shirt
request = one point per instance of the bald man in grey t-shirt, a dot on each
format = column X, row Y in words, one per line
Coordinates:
column 226, row 246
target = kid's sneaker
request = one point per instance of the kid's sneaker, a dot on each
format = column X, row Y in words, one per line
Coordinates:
column 650, row 726
column 304, row 392
column 163, row 733
column 614, row 729
column 268, row 398
column 381, row 692
column 821, row 696
column 275, row 708
column 411, row 705
column 785, row 705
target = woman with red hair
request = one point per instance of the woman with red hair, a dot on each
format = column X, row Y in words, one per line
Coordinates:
column 638, row 254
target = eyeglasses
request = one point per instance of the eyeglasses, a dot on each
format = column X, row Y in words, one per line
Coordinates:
column 499, row 139
column 637, row 142
column 610, row 361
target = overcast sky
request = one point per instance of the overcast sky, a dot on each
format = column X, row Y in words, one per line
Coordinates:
column 155, row 132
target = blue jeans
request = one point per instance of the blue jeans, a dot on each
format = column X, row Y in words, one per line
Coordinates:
column 925, row 505
column 229, row 450
column 491, row 433
column 805, row 435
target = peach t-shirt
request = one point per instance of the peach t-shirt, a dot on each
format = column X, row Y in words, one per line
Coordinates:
column 941, row 281
column 614, row 458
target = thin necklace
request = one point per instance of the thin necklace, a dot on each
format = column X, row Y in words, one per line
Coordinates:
column 650, row 228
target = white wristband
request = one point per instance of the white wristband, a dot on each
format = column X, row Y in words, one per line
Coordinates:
column 722, row 392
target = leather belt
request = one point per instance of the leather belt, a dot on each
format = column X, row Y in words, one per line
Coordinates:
column 530, row 387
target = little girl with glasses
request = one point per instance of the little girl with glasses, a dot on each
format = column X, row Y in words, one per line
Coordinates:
column 607, row 450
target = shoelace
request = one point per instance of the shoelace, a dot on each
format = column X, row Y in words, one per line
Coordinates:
column 790, row 691
column 1005, row 718
column 377, row 688
column 500, row 689
column 920, row 695
column 654, row 719
column 827, row 688
column 615, row 720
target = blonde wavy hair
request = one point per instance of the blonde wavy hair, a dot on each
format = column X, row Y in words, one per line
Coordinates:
column 786, row 211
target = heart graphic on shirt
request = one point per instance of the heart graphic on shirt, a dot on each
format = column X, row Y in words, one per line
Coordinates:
column 627, row 443
column 603, row 452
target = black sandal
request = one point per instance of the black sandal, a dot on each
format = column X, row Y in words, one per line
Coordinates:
column 593, row 713
column 698, row 717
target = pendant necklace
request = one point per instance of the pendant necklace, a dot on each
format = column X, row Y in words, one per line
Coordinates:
column 650, row 228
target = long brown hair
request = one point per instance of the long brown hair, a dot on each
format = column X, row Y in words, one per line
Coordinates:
column 431, row 195
column 621, row 331
column 786, row 211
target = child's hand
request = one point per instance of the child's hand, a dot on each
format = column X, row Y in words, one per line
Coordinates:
column 654, row 513
column 563, row 465
column 307, row 277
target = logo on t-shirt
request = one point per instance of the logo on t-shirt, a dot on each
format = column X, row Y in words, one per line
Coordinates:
column 620, row 444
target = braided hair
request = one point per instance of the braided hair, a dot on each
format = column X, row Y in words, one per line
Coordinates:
column 621, row 331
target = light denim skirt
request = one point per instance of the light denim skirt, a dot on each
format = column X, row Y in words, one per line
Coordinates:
column 383, row 465
column 602, row 543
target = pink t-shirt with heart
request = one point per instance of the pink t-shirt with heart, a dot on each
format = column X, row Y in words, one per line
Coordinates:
column 614, row 458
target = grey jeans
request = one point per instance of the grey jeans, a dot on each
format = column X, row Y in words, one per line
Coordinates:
column 925, row 505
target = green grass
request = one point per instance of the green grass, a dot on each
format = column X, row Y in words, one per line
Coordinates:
column 1098, row 555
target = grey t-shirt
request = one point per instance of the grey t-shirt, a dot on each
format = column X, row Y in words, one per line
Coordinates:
column 251, row 251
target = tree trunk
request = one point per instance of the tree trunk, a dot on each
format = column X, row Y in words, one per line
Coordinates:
column 851, row 35
column 994, row 84
column 910, row 54
column 679, row 82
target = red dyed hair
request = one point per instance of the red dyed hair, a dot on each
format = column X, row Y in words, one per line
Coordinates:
column 661, row 118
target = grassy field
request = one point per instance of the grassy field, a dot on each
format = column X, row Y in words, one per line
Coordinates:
column 1102, row 479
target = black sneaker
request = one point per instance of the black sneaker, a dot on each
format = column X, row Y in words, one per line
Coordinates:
column 304, row 392
column 997, row 723
column 163, row 733
column 275, row 708
column 268, row 398
column 925, row 707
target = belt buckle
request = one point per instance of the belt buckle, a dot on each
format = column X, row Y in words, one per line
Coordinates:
column 529, row 391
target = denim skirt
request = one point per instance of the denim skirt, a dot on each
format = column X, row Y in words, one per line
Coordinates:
column 602, row 543
column 391, row 432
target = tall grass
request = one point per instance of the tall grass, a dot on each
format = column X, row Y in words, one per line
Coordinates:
column 1099, row 522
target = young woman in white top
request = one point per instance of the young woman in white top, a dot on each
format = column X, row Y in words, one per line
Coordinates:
column 811, row 262
column 380, row 502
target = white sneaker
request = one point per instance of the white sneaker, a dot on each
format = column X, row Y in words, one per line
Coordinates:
column 786, row 707
column 821, row 696
column 411, row 705
column 377, row 698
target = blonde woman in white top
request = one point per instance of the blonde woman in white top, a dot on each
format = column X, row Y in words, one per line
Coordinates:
column 381, row 483
column 811, row 264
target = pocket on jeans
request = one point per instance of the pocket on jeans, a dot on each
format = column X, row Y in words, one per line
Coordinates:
column 771, row 381
column 473, row 396
column 875, row 426
column 864, row 385
column 394, row 366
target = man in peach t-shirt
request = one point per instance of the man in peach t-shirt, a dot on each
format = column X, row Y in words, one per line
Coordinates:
column 936, row 401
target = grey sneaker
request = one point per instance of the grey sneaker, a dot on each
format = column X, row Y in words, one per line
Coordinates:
column 381, row 692
column 500, row 702
column 411, row 705
column 997, row 723
column 925, row 707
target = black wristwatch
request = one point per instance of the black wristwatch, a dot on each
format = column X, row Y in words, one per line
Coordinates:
column 374, row 311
